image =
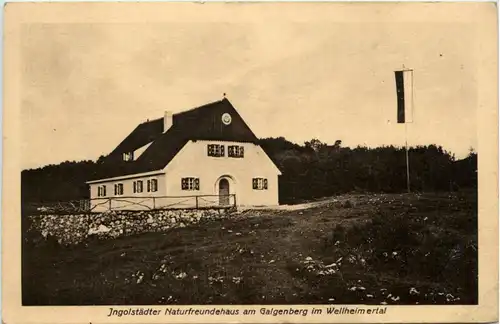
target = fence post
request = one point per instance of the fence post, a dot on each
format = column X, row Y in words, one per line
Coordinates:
column 196, row 197
column 154, row 204
column 234, row 196
column 109, row 204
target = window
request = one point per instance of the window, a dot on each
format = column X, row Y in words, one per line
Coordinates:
column 259, row 184
column 152, row 185
column 235, row 151
column 138, row 185
column 101, row 191
column 190, row 184
column 118, row 189
column 215, row 150
column 128, row 156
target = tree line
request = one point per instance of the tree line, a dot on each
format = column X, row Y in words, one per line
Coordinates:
column 317, row 169
column 312, row 170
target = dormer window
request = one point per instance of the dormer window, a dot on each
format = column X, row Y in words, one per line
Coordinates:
column 216, row 150
column 128, row 156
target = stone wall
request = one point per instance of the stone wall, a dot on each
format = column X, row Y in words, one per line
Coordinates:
column 74, row 229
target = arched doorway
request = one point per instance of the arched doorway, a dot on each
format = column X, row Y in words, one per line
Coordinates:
column 223, row 192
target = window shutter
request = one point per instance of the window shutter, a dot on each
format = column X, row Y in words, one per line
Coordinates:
column 197, row 184
column 115, row 189
column 222, row 150
column 254, row 183
column 265, row 183
column 104, row 191
column 135, row 186
column 184, row 184
column 242, row 151
column 155, row 185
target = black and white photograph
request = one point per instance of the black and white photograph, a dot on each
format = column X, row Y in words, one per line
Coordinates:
column 270, row 154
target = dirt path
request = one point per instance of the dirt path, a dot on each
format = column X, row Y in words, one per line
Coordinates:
column 292, row 207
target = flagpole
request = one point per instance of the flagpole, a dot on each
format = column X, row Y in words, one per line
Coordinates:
column 406, row 133
column 407, row 159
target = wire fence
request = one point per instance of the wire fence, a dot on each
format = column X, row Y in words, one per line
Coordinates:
column 106, row 204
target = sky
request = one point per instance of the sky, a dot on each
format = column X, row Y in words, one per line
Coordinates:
column 86, row 86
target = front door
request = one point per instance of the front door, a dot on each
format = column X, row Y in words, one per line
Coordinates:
column 223, row 192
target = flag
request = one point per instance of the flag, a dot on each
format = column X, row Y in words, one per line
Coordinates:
column 404, row 90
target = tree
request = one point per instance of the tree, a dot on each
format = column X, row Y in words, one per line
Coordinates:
column 315, row 144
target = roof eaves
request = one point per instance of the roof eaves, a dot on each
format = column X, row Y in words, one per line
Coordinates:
column 128, row 176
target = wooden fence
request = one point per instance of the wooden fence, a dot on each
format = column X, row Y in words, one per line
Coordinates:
column 105, row 204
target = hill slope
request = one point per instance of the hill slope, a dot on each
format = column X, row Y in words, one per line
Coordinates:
column 370, row 249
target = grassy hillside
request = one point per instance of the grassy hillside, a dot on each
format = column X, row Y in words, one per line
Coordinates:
column 370, row 249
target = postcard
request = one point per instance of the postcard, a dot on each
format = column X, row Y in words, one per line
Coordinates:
column 250, row 162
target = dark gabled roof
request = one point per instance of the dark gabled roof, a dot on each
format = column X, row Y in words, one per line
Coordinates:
column 140, row 136
column 201, row 123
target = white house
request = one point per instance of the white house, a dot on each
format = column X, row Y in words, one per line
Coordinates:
column 203, row 157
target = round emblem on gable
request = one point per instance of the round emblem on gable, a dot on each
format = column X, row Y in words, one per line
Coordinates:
column 226, row 119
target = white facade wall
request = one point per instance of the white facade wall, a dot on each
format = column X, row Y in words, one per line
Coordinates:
column 193, row 161
column 129, row 200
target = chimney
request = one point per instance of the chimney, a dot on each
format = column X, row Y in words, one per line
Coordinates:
column 167, row 121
